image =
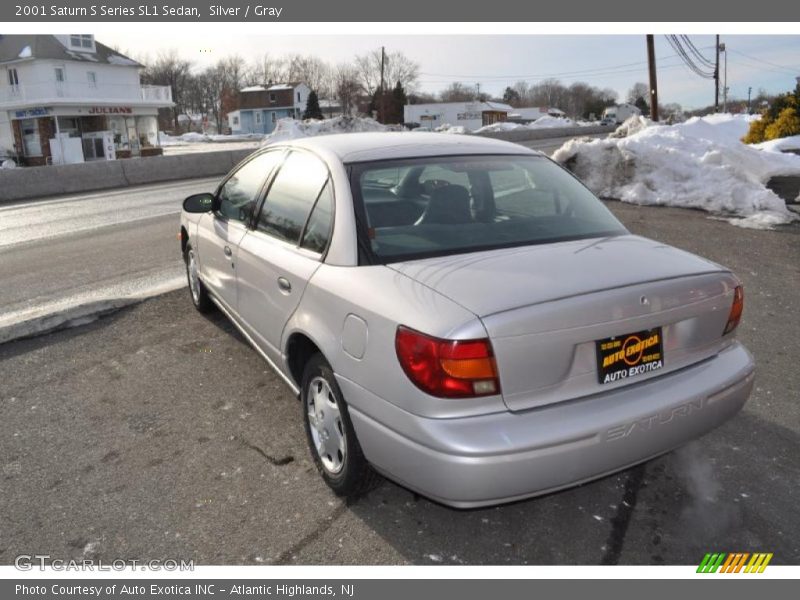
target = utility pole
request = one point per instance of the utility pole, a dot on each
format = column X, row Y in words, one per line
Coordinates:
column 749, row 108
column 651, row 65
column 716, row 78
column 723, row 48
column 382, row 103
column 478, row 92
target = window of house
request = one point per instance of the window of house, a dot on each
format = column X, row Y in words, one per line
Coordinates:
column 274, row 117
column 298, row 97
column 258, row 118
column 92, row 77
column 81, row 41
column 235, row 120
column 60, row 74
column 13, row 78
column 273, row 98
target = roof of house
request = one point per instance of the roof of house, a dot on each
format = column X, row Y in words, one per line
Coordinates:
column 25, row 47
column 273, row 87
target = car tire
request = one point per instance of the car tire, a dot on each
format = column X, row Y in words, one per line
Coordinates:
column 197, row 290
column 331, row 438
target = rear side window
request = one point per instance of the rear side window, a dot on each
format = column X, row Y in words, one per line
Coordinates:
column 318, row 228
column 292, row 196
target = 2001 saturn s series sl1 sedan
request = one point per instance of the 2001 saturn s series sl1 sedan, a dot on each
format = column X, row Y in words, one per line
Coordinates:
column 462, row 315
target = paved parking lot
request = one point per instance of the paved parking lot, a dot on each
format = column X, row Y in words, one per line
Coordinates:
column 158, row 433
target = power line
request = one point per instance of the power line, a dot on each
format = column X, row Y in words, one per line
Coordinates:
column 547, row 75
column 703, row 60
column 786, row 68
column 676, row 44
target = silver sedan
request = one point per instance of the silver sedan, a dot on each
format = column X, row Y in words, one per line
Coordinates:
column 462, row 315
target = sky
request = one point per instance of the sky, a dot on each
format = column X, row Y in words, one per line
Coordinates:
column 495, row 61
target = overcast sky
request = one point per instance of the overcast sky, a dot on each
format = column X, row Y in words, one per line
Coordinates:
column 495, row 61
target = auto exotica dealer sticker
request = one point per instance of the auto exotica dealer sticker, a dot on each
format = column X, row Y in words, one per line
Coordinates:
column 629, row 355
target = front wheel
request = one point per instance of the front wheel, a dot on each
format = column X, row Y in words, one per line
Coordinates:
column 197, row 290
column 331, row 437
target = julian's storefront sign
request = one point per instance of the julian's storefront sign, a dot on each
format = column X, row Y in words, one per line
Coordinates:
column 110, row 110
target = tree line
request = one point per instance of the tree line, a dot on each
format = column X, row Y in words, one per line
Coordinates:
column 352, row 86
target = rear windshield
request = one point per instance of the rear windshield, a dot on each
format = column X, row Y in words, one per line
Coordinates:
column 448, row 205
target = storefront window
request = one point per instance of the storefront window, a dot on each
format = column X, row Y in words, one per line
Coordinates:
column 147, row 130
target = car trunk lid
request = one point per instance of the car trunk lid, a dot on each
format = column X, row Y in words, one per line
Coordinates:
column 544, row 308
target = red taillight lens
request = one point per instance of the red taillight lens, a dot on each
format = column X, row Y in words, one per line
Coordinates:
column 447, row 368
column 736, row 310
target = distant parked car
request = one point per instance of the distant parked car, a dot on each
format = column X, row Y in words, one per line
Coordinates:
column 462, row 315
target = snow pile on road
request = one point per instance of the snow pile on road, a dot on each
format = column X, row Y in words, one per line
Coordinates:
column 697, row 164
column 291, row 129
column 205, row 138
column 780, row 145
column 544, row 122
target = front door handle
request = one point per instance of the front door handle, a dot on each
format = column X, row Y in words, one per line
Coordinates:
column 228, row 251
column 284, row 284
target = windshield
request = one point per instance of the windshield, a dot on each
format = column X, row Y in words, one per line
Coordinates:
column 447, row 205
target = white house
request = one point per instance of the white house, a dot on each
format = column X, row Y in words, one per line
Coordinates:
column 471, row 115
column 68, row 98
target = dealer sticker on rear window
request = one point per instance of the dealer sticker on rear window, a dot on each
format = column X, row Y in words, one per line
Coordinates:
column 626, row 356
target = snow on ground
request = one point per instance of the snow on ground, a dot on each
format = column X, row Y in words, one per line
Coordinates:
column 204, row 138
column 291, row 129
column 701, row 163
column 780, row 145
column 545, row 122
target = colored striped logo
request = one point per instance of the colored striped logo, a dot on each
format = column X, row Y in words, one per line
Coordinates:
column 734, row 562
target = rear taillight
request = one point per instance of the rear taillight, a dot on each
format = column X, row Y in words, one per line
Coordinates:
column 736, row 310
column 447, row 368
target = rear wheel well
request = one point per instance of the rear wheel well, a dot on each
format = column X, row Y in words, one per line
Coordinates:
column 299, row 351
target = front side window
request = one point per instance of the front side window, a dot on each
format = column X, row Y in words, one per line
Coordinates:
column 91, row 76
column 240, row 193
column 13, row 78
column 60, row 74
column 258, row 118
column 292, row 195
column 448, row 205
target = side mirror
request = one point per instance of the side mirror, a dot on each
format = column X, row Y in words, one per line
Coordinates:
column 199, row 203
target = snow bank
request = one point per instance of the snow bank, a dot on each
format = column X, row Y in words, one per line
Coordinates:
column 780, row 145
column 697, row 164
column 290, row 129
column 195, row 138
column 544, row 122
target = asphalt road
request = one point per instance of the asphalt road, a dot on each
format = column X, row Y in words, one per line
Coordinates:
column 158, row 433
column 91, row 248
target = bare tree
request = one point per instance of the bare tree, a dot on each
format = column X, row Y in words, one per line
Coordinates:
column 639, row 90
column 346, row 87
column 397, row 67
column 458, row 92
column 265, row 69
column 311, row 70
column 169, row 69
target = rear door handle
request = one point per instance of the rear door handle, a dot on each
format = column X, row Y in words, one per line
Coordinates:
column 284, row 284
column 228, row 251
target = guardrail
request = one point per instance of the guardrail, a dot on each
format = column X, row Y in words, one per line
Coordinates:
column 38, row 182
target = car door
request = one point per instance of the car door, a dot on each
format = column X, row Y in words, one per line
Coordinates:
column 280, row 254
column 220, row 232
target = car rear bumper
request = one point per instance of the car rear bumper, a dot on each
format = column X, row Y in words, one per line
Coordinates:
column 502, row 457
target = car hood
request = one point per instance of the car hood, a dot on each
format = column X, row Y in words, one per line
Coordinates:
column 493, row 281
